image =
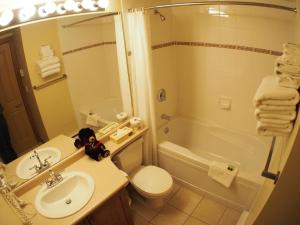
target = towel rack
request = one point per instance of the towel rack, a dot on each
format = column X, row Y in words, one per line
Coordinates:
column 266, row 173
column 49, row 82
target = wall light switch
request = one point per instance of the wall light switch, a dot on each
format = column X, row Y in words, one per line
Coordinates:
column 225, row 102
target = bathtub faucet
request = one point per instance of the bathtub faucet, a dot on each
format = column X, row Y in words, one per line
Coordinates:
column 165, row 117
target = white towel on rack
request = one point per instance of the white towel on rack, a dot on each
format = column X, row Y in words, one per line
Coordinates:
column 285, row 80
column 51, row 67
column 46, row 51
column 274, row 121
column 276, row 107
column 47, row 62
column 271, row 130
column 50, row 72
column 221, row 173
column 270, row 93
column 281, row 115
column 287, row 69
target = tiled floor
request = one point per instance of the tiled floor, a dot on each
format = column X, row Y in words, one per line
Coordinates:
column 185, row 207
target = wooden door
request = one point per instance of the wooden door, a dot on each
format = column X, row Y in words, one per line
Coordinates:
column 20, row 129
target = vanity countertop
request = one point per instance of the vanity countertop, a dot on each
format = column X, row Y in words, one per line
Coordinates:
column 107, row 177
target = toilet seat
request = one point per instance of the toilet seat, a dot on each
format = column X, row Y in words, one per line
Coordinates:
column 152, row 181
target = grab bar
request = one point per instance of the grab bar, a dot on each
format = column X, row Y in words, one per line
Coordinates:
column 49, row 82
column 265, row 172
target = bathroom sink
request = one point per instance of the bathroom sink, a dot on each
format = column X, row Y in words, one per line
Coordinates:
column 25, row 168
column 67, row 197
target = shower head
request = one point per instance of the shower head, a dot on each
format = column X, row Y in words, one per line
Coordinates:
column 162, row 17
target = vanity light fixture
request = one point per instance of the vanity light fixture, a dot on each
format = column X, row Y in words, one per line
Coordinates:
column 70, row 5
column 60, row 9
column 27, row 12
column 50, row 7
column 42, row 12
column 89, row 5
column 6, row 17
column 103, row 3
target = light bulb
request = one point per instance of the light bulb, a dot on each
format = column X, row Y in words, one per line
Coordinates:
column 60, row 9
column 103, row 3
column 27, row 12
column 70, row 5
column 78, row 7
column 89, row 4
column 42, row 12
column 6, row 17
column 50, row 7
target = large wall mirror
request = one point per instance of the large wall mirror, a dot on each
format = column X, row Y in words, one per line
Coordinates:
column 56, row 77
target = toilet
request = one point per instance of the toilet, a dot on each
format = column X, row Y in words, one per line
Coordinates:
column 151, row 182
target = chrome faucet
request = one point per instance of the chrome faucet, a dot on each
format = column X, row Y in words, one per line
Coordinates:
column 165, row 117
column 54, row 179
column 41, row 166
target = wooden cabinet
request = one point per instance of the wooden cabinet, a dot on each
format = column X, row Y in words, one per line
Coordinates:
column 115, row 211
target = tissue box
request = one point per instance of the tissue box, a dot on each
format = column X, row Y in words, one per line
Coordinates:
column 121, row 134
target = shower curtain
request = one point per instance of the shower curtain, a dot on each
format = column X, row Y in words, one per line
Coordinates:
column 122, row 65
column 142, row 83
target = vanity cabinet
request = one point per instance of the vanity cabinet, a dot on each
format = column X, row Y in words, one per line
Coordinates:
column 115, row 211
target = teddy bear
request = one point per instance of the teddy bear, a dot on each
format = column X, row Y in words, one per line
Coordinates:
column 93, row 148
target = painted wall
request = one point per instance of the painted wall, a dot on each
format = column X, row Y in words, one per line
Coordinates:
column 54, row 101
column 92, row 68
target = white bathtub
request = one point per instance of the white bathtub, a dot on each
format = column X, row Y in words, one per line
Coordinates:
column 188, row 148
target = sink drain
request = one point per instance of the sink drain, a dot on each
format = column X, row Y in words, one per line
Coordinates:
column 68, row 201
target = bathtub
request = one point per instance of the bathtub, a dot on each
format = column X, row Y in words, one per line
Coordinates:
column 187, row 147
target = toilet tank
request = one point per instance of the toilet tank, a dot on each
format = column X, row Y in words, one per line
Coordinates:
column 131, row 157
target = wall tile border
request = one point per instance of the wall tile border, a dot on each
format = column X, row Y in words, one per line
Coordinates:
column 217, row 45
column 89, row 46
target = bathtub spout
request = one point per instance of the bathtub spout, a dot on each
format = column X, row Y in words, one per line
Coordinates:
column 165, row 117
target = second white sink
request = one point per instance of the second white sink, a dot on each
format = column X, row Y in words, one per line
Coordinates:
column 67, row 197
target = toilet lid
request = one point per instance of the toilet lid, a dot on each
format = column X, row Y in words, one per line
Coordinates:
column 152, row 180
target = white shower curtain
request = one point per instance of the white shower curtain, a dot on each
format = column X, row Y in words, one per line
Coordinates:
column 142, row 80
column 122, row 64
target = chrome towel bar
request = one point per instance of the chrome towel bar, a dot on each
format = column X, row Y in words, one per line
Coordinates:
column 266, row 173
column 49, row 82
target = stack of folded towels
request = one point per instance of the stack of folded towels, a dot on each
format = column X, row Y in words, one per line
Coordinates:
column 287, row 66
column 49, row 64
column 275, row 107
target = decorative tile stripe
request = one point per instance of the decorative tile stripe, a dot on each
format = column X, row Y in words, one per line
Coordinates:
column 89, row 46
column 216, row 45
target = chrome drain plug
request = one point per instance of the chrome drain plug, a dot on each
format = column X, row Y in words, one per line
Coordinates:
column 68, row 201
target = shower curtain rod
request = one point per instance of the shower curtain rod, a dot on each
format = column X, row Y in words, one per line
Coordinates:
column 258, row 4
column 90, row 19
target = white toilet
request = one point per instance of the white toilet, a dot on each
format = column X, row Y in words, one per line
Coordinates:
column 152, row 182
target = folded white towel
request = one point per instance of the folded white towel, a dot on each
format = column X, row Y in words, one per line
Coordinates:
column 46, row 51
column 276, row 108
column 274, row 121
column 289, row 59
column 280, row 115
column 223, row 173
column 266, row 130
column 289, row 69
column 270, row 93
column 280, row 73
column 50, row 72
column 46, row 62
column 50, row 67
column 288, row 81
column 274, row 125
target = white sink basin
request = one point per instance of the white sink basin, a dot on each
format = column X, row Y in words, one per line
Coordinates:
column 23, row 169
column 67, row 197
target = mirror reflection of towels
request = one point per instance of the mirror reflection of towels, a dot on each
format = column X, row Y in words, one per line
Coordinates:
column 92, row 120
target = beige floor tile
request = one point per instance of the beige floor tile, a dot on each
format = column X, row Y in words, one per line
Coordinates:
column 138, row 219
column 185, row 200
column 230, row 217
column 209, row 211
column 144, row 210
column 193, row 221
column 170, row 216
column 176, row 187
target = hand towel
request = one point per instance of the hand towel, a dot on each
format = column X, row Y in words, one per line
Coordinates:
column 268, row 125
column 50, row 72
column 282, row 123
column 270, row 93
column 264, row 130
column 280, row 73
column 46, row 62
column 276, row 108
column 50, row 67
column 288, row 81
column 280, row 115
column 289, row 69
column 223, row 173
column 289, row 59
column 46, row 51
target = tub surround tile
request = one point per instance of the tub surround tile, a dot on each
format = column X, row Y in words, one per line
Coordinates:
column 193, row 221
column 230, row 217
column 217, row 45
column 170, row 216
column 209, row 211
column 185, row 200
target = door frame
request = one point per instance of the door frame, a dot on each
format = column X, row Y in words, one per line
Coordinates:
column 14, row 39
